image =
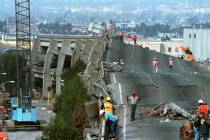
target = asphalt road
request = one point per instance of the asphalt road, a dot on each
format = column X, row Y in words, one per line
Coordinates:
column 187, row 83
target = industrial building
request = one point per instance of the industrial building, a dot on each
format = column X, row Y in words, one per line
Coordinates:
column 170, row 47
column 198, row 42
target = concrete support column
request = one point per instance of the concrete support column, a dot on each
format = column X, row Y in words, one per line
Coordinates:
column 47, row 66
column 2, row 38
column 77, row 51
column 89, row 44
column 65, row 50
column 36, row 45
column 97, row 51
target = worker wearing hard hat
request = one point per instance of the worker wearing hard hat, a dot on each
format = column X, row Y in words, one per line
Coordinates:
column 199, row 125
column 202, row 107
column 200, row 101
column 112, row 119
column 108, row 105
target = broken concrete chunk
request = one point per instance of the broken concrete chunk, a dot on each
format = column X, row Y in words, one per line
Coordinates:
column 171, row 111
column 114, row 66
column 91, row 108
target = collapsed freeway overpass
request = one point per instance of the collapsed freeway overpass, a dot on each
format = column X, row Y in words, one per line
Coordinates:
column 184, row 86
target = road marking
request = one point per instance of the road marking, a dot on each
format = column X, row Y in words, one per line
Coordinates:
column 120, row 90
column 125, row 112
column 132, row 59
column 125, row 122
column 114, row 78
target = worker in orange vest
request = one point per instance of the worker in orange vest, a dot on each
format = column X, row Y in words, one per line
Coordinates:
column 134, row 39
column 203, row 107
column 108, row 105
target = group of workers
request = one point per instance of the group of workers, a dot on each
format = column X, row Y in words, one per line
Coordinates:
column 155, row 64
column 135, row 37
column 107, row 113
column 201, row 123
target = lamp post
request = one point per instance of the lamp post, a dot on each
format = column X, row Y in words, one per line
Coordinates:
column 2, row 88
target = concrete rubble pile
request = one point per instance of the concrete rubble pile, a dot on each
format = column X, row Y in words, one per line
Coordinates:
column 111, row 67
column 171, row 111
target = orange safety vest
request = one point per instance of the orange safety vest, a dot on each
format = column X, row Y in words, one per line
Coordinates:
column 203, row 109
column 108, row 107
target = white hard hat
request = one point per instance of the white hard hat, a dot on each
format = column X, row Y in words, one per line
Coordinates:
column 200, row 101
column 170, row 58
column 101, row 112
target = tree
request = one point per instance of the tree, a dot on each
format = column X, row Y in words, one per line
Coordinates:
column 70, row 119
column 8, row 65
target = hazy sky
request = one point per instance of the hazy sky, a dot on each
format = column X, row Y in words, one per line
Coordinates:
column 95, row 3
column 7, row 6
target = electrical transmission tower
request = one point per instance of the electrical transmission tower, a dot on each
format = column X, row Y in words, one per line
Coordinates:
column 23, row 43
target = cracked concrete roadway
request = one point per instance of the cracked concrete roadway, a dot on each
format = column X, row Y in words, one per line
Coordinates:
column 185, row 85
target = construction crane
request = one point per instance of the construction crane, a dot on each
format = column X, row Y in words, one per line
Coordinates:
column 23, row 112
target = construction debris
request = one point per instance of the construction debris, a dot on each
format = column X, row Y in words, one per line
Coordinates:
column 111, row 67
column 91, row 108
column 165, row 121
column 179, row 110
column 186, row 131
column 171, row 111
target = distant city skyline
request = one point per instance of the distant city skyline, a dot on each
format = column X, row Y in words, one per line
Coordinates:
column 153, row 10
column 125, row 4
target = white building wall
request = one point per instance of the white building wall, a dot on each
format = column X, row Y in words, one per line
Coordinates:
column 198, row 41
column 204, row 44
